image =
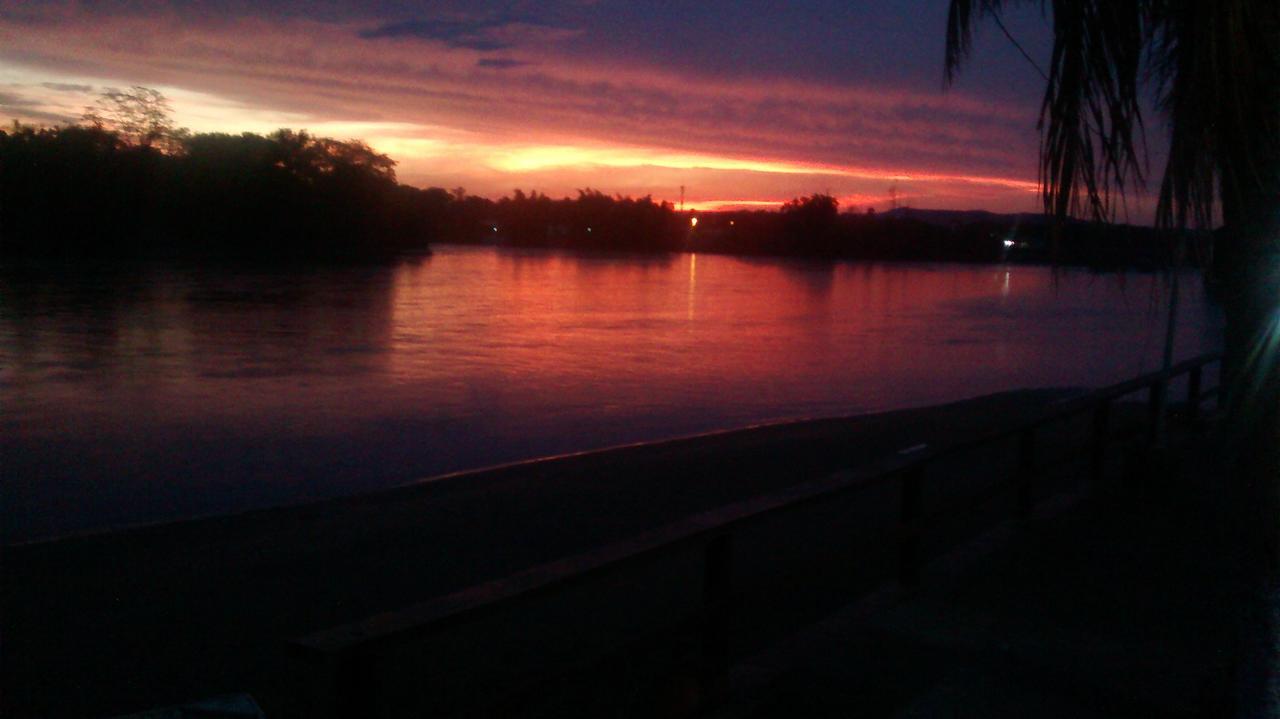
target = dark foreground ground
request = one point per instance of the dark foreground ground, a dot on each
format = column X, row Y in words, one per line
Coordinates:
column 1130, row 600
column 115, row 623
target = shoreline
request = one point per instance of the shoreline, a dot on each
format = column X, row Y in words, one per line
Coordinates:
column 798, row 425
column 53, row 264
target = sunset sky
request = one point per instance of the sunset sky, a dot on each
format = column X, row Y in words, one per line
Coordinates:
column 745, row 103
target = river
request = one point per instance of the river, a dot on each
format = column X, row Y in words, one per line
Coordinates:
column 136, row 393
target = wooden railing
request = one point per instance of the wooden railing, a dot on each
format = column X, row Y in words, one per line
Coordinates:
column 340, row 663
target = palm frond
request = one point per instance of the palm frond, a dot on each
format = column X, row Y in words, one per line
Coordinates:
column 959, row 37
column 961, row 17
column 1208, row 58
column 1183, row 59
column 1090, row 119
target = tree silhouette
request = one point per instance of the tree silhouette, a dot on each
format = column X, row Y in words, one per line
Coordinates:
column 140, row 115
column 810, row 224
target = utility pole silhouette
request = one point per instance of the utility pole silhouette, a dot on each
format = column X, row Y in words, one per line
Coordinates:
column 682, row 198
column 893, row 197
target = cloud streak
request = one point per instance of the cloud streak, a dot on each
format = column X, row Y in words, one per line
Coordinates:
column 501, row 63
column 485, row 35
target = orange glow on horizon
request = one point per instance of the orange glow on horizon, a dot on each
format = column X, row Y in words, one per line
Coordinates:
column 546, row 157
column 721, row 205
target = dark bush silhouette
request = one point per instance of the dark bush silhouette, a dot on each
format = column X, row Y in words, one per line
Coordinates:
column 813, row 227
column 593, row 220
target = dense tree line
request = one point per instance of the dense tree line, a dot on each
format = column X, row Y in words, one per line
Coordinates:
column 138, row 189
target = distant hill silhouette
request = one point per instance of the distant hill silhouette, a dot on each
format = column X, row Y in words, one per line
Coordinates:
column 949, row 218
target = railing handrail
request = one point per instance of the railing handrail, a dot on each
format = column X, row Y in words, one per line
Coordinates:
column 423, row 619
column 479, row 599
column 1078, row 405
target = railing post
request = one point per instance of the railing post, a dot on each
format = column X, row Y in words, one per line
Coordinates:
column 1026, row 470
column 333, row 683
column 1193, row 393
column 1101, row 435
column 717, row 599
column 909, row 542
column 1155, row 410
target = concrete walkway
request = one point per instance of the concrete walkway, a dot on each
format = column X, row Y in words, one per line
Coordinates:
column 160, row 615
column 1125, row 602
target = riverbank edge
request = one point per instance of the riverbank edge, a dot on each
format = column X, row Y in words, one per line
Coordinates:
column 745, row 433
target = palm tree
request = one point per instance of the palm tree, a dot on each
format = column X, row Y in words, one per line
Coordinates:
column 1213, row 68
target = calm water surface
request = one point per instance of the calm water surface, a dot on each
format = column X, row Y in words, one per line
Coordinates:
column 144, row 393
